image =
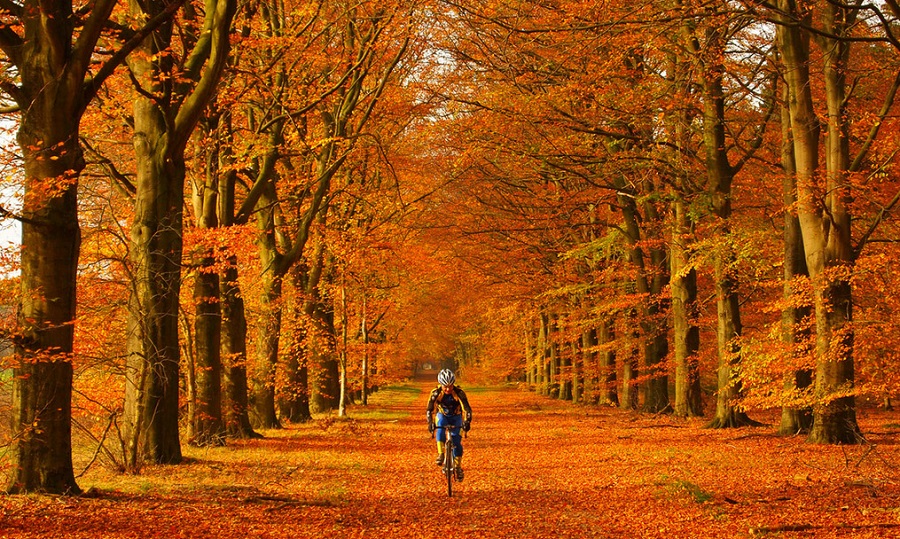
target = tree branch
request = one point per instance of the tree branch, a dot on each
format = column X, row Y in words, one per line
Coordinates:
column 876, row 127
column 92, row 85
column 221, row 13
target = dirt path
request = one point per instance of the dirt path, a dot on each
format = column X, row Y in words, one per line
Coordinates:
column 534, row 468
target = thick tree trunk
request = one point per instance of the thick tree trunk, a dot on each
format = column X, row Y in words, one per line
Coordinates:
column 166, row 111
column 834, row 418
column 234, row 355
column 794, row 334
column 263, row 413
column 42, row 374
column 48, row 51
column 685, row 309
column 829, row 253
column 208, row 423
column 684, row 316
column 155, row 255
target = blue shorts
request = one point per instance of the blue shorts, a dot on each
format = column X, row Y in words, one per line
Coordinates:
column 454, row 423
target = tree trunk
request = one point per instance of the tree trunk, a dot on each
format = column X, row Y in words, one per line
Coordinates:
column 234, row 321
column 606, row 336
column 296, row 408
column 684, row 316
column 166, row 112
column 42, row 373
column 342, row 399
column 829, row 255
column 592, row 373
column 234, row 355
column 685, row 309
column 49, row 68
column 720, row 175
column 364, row 328
column 553, row 364
column 794, row 334
column 653, row 394
column 208, row 424
column 830, row 267
column 263, row 414
column 155, row 256
column 543, row 356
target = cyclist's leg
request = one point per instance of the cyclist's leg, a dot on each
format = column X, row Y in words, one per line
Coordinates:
column 456, row 435
column 455, row 422
column 440, row 423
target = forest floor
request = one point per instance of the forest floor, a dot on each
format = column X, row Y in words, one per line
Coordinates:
column 534, row 468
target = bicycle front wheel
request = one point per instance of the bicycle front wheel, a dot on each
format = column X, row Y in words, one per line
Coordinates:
column 448, row 466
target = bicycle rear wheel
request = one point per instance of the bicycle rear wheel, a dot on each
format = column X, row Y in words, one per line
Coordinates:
column 448, row 466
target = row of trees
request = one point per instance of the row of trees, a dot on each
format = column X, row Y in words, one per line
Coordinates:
column 686, row 198
column 261, row 206
column 212, row 180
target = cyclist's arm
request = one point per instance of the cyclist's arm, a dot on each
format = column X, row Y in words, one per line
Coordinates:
column 430, row 410
column 465, row 404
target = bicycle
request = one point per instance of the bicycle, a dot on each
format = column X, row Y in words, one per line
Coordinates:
column 448, row 468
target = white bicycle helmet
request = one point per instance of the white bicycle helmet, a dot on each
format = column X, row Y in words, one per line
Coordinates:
column 446, row 377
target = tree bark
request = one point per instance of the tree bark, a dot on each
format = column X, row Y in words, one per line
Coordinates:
column 686, row 332
column 606, row 336
column 720, row 175
column 42, row 373
column 49, row 65
column 826, row 235
column 208, row 423
column 794, row 317
column 234, row 321
column 166, row 112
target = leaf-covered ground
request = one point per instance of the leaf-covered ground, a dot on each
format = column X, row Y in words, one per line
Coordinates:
column 534, row 468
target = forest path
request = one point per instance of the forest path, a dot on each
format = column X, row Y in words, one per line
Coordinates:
column 535, row 467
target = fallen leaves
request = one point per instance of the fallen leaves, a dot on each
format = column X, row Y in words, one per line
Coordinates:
column 534, row 468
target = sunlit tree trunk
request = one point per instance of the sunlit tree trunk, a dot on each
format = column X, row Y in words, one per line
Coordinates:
column 685, row 308
column 686, row 333
column 263, row 413
column 166, row 111
column 823, row 216
column 208, row 423
column 829, row 250
column 794, row 316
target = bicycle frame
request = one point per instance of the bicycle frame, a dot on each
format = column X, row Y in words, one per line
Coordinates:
column 449, row 467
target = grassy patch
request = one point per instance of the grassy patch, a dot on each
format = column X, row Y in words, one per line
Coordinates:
column 694, row 491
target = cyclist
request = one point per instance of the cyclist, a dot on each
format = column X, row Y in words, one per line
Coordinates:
column 445, row 410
